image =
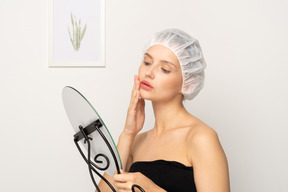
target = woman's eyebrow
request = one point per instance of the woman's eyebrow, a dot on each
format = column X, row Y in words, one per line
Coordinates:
column 148, row 55
column 162, row 61
column 168, row 62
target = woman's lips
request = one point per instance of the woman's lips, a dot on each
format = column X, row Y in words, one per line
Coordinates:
column 145, row 85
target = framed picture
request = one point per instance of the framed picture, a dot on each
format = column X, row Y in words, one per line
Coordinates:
column 76, row 33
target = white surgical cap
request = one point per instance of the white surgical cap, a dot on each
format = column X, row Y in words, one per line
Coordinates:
column 190, row 57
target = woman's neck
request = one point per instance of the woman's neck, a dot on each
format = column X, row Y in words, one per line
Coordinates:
column 168, row 115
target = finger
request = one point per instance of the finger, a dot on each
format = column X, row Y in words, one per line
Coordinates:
column 137, row 82
column 134, row 100
column 137, row 85
column 124, row 190
column 123, row 186
column 116, row 172
column 134, row 85
column 120, row 178
column 124, row 177
column 135, row 90
column 141, row 105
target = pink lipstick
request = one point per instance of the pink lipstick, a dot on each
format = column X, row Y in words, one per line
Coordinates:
column 146, row 85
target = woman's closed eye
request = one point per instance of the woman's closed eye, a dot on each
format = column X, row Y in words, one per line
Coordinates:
column 165, row 70
column 147, row 63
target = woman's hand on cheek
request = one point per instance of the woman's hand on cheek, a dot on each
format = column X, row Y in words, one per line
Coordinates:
column 125, row 181
column 136, row 111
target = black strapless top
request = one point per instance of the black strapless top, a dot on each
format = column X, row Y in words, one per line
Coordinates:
column 169, row 175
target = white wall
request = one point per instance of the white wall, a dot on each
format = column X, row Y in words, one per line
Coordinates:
column 244, row 99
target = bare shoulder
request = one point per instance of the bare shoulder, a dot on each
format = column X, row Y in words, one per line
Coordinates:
column 201, row 134
column 200, row 131
column 208, row 159
column 203, row 142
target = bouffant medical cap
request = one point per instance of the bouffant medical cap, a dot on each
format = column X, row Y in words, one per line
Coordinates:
column 190, row 57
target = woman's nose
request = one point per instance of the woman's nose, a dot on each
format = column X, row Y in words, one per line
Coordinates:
column 150, row 72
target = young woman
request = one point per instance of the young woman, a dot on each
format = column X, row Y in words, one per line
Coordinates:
column 180, row 153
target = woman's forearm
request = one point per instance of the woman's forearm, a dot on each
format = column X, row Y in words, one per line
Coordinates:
column 124, row 147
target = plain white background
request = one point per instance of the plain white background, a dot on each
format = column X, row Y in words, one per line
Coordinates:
column 244, row 98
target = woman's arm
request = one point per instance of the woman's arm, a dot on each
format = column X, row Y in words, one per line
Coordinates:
column 133, row 125
column 209, row 162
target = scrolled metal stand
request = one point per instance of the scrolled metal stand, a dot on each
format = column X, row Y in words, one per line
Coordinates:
column 138, row 187
column 84, row 134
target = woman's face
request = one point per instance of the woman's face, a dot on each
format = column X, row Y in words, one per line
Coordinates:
column 160, row 74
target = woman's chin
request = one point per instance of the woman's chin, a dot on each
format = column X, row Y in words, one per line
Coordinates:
column 145, row 95
column 159, row 97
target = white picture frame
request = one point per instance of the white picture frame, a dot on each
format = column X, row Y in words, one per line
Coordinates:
column 76, row 33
